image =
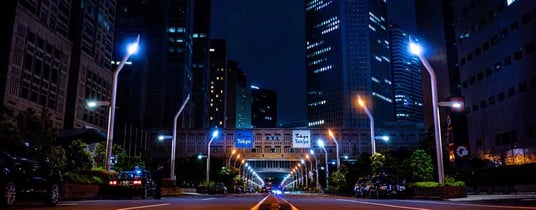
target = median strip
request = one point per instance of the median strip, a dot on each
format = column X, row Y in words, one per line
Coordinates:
column 272, row 202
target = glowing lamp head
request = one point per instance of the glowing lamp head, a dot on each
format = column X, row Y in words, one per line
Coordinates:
column 360, row 101
column 415, row 48
column 215, row 134
column 91, row 104
column 320, row 143
column 160, row 137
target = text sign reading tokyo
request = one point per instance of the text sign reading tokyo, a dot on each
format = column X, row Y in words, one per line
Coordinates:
column 301, row 138
column 243, row 139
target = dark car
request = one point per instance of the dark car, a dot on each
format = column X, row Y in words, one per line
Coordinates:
column 385, row 186
column 361, row 187
column 218, row 188
column 135, row 182
column 24, row 177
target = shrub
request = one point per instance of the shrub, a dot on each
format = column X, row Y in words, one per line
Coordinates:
column 424, row 184
column 451, row 181
column 87, row 177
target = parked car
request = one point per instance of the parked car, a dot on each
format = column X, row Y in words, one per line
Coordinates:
column 218, row 188
column 22, row 176
column 385, row 186
column 361, row 187
column 135, row 182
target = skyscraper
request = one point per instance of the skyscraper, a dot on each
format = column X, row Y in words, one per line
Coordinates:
column 200, row 63
column 347, row 54
column 496, row 42
column 238, row 106
column 218, row 82
column 407, row 80
column 56, row 56
column 263, row 107
column 152, row 90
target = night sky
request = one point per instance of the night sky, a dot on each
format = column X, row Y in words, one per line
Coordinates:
column 267, row 38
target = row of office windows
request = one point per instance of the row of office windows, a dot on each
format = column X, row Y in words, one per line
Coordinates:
column 490, row 101
column 517, row 55
column 514, row 27
column 482, row 21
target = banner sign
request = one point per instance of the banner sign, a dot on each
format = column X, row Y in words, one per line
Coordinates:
column 301, row 139
column 243, row 139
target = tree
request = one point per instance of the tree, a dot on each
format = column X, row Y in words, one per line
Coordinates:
column 9, row 133
column 338, row 179
column 38, row 131
column 419, row 166
column 122, row 161
column 78, row 157
column 100, row 154
column 377, row 163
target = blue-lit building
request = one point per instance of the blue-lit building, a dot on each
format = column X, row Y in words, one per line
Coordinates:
column 407, row 80
column 347, row 54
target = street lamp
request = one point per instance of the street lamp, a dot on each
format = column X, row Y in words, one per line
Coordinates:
column 214, row 135
column 237, row 158
column 321, row 145
column 417, row 50
column 232, row 153
column 316, row 167
column 132, row 48
column 372, row 142
column 306, row 173
column 337, row 147
column 174, row 141
column 93, row 104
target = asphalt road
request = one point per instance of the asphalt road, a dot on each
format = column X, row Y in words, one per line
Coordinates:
column 252, row 201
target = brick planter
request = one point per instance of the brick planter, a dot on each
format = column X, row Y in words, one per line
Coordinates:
column 438, row 192
column 80, row 191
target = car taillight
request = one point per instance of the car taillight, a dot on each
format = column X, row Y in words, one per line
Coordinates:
column 137, row 182
column 112, row 182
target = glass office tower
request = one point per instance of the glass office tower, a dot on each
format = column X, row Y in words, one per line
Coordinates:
column 347, row 54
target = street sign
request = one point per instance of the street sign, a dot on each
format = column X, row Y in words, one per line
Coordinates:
column 301, row 139
column 243, row 139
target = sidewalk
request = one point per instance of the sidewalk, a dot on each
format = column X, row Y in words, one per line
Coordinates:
column 477, row 197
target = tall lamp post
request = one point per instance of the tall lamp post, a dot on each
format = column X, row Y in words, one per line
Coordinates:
column 417, row 50
column 237, row 158
column 337, row 147
column 372, row 135
column 306, row 173
column 321, row 145
column 316, row 167
column 214, row 135
column 231, row 156
column 174, row 142
column 132, row 48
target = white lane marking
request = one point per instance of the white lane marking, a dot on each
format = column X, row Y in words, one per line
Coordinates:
column 143, row 207
column 292, row 206
column 381, row 204
column 256, row 207
column 474, row 205
column 207, row 199
column 68, row 204
column 490, row 206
